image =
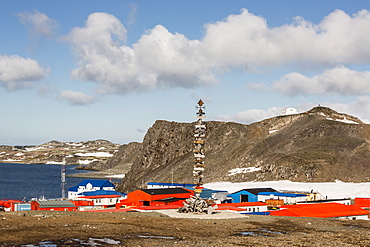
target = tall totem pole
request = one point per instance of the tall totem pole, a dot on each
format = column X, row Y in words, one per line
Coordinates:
column 199, row 134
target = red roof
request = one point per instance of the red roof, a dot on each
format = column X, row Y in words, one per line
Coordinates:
column 7, row 203
column 362, row 202
column 320, row 210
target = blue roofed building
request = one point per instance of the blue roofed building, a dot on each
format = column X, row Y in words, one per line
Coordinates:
column 90, row 185
column 248, row 195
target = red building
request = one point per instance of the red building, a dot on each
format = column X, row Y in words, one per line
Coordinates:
column 53, row 205
column 363, row 202
column 156, row 197
column 8, row 205
column 323, row 210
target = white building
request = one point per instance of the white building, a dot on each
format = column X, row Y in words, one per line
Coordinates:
column 89, row 185
column 289, row 111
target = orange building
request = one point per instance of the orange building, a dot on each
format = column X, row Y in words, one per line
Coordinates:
column 53, row 205
column 156, row 197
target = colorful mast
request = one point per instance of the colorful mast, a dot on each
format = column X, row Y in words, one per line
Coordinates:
column 63, row 178
column 199, row 134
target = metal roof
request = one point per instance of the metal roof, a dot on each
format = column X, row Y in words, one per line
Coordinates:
column 255, row 191
column 101, row 193
column 96, row 183
column 165, row 191
column 55, row 204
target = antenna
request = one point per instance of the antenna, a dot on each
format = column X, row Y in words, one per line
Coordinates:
column 199, row 134
column 63, row 177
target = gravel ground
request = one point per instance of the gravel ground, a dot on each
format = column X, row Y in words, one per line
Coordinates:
column 37, row 228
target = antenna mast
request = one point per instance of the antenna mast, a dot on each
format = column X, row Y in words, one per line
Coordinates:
column 63, row 178
column 199, row 134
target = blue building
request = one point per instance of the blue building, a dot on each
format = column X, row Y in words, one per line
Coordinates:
column 248, row 195
column 90, row 185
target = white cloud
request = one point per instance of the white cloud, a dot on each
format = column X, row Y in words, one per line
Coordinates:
column 339, row 80
column 76, row 98
column 161, row 59
column 38, row 23
column 252, row 115
column 246, row 41
column 16, row 72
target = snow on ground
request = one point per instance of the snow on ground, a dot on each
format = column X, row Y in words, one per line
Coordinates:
column 11, row 160
column 86, row 162
column 243, row 170
column 97, row 154
column 273, row 131
column 345, row 120
column 33, row 149
column 333, row 190
column 116, row 176
column 54, row 163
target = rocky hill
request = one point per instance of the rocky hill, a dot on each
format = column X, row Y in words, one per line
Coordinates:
column 320, row 145
column 91, row 155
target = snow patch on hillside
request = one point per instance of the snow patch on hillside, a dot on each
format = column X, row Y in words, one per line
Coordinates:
column 273, row 131
column 243, row 170
column 116, row 176
column 345, row 120
column 97, row 154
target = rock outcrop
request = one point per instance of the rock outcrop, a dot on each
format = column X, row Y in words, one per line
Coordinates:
column 320, row 145
column 92, row 155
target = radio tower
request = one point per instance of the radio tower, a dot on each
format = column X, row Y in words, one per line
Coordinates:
column 199, row 134
column 63, row 178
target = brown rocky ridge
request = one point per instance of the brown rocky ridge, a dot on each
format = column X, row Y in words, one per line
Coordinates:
column 319, row 145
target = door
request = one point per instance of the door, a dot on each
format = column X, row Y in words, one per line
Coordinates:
column 243, row 198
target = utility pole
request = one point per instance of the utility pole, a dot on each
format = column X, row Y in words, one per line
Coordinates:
column 63, row 177
column 199, row 134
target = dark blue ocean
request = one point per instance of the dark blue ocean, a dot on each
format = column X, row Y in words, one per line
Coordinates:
column 19, row 181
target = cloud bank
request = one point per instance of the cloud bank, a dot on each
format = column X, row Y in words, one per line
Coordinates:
column 162, row 59
column 17, row 72
column 339, row 80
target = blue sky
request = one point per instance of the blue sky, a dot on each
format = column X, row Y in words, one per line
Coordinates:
column 85, row 70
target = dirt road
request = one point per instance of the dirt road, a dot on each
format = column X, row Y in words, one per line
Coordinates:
column 37, row 228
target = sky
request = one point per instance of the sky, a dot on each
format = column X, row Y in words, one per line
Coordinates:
column 84, row 70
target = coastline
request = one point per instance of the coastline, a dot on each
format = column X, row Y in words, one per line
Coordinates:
column 98, row 174
column 115, row 172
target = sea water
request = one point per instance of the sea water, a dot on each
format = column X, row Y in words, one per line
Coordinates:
column 19, row 181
